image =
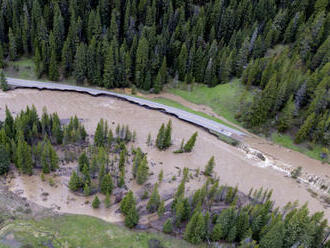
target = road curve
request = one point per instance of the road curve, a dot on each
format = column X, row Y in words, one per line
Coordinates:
column 210, row 125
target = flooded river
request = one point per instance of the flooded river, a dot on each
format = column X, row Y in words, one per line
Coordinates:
column 233, row 166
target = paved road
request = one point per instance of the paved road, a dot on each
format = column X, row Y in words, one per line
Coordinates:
column 181, row 114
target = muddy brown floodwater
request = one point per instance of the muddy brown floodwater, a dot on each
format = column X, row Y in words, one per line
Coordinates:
column 233, row 166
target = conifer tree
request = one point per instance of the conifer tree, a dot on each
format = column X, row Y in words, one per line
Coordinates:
column 274, row 237
column 52, row 157
column 142, row 55
column 217, row 232
column 3, row 81
column 157, row 84
column 195, row 231
column 179, row 195
column 109, row 69
column 168, row 227
column 160, row 137
column 190, row 143
column 305, row 128
column 225, row 225
column 182, row 210
column 96, row 202
column 53, row 68
column 121, row 181
column 38, row 62
column 209, row 167
column 107, row 185
column 2, row 62
column 137, row 161
column 80, row 61
column 9, row 127
column 82, row 161
column 154, row 201
column 286, row 117
column 142, row 171
column 45, row 160
column 127, row 202
column 99, row 134
column 132, row 217
column 122, row 159
column 4, row 160
column 182, row 61
column 74, row 183
column 163, row 73
column 12, row 45
column 57, row 131
column 161, row 208
column 24, row 157
column 58, row 31
column 66, row 57
column 128, row 208
column 87, row 189
column 107, row 200
column 168, row 135
column 101, row 174
column 86, row 174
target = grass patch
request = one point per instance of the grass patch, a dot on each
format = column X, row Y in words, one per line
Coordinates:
column 287, row 141
column 21, row 68
column 24, row 68
column 223, row 99
column 228, row 140
column 82, row 231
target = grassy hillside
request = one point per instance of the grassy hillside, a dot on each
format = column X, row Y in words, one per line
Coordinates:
column 223, row 99
column 311, row 150
column 78, row 231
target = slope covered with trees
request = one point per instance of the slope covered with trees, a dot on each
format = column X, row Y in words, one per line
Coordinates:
column 146, row 42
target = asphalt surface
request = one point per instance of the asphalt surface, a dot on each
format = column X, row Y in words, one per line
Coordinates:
column 208, row 124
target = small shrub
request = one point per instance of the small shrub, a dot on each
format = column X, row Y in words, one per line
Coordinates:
column 133, row 90
column 228, row 140
column 197, row 171
column 296, row 172
column 51, row 182
column 145, row 195
column 107, row 200
column 96, row 202
column 168, row 226
column 42, row 176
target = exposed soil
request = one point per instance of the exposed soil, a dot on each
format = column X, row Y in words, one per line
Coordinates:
column 233, row 165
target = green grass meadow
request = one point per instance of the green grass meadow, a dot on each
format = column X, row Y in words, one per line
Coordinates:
column 73, row 231
column 223, row 99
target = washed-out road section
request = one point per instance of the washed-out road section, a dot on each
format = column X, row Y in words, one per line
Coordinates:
column 208, row 124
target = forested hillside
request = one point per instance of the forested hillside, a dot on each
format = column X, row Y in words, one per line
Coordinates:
column 148, row 42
